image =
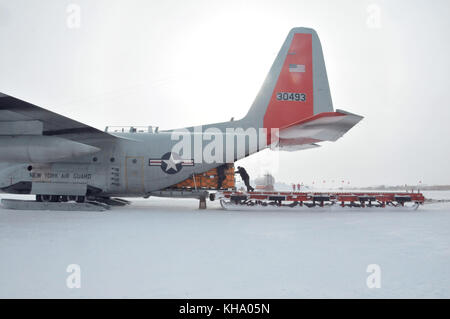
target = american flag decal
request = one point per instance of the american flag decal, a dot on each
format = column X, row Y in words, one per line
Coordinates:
column 297, row 68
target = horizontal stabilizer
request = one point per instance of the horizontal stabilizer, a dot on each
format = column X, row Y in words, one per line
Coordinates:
column 288, row 146
column 328, row 126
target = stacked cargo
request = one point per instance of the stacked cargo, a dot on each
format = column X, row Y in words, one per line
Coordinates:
column 209, row 180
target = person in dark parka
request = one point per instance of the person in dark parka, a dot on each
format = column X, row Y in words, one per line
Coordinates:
column 221, row 175
column 244, row 175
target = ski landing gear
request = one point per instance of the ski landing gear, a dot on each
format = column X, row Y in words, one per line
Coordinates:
column 65, row 203
column 60, row 199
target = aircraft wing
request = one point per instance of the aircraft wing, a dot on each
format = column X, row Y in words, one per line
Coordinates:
column 18, row 117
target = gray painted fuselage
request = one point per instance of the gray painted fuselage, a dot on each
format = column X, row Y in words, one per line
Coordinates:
column 122, row 166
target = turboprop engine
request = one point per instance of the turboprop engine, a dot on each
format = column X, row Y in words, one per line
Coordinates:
column 40, row 149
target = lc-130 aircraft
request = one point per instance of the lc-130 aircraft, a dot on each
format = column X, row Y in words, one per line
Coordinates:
column 59, row 159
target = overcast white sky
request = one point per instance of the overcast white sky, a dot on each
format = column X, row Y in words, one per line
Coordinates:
column 180, row 63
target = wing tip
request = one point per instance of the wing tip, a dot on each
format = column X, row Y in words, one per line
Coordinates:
column 349, row 113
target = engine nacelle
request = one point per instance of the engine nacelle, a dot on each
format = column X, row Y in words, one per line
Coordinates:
column 40, row 149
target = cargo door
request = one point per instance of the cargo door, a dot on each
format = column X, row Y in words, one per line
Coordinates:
column 134, row 174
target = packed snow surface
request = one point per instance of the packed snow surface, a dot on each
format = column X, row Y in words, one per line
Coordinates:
column 167, row 248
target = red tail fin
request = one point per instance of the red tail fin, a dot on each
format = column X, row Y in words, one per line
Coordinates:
column 296, row 87
column 293, row 97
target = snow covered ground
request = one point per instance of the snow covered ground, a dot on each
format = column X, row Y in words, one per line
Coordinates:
column 167, row 248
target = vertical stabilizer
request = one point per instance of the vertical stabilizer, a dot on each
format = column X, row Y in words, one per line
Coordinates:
column 296, row 87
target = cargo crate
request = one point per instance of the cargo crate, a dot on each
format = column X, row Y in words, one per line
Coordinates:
column 209, row 180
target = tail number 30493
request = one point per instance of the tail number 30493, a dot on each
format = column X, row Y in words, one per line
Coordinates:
column 287, row 96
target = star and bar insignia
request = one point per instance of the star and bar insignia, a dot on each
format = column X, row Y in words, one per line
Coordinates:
column 171, row 163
